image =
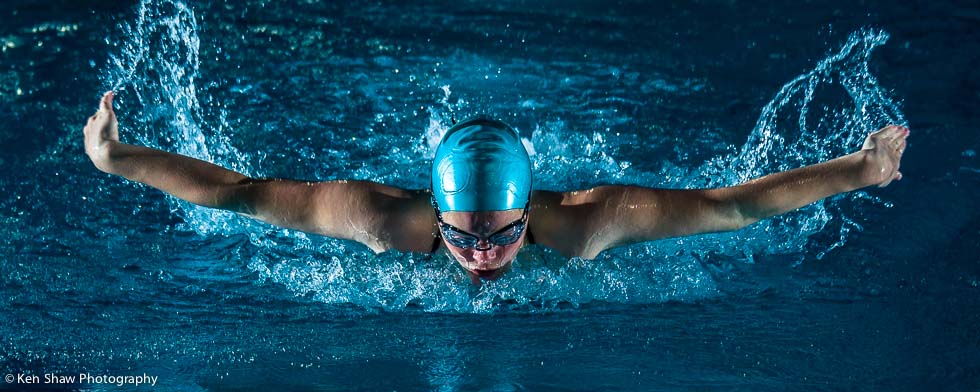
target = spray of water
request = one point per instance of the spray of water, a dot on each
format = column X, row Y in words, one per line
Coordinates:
column 830, row 133
column 822, row 114
column 156, row 71
column 155, row 76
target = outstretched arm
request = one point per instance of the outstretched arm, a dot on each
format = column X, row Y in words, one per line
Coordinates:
column 376, row 215
column 610, row 216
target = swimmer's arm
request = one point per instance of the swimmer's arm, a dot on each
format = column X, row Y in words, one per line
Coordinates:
column 623, row 215
column 187, row 178
column 376, row 215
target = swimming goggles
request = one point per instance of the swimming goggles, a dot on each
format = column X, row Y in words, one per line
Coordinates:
column 507, row 235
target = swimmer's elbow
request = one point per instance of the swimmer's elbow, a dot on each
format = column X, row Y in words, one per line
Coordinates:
column 741, row 224
column 586, row 255
column 736, row 217
column 238, row 198
column 377, row 248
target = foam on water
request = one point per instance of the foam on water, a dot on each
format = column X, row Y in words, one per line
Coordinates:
column 823, row 113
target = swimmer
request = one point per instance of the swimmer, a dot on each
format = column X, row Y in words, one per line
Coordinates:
column 481, row 208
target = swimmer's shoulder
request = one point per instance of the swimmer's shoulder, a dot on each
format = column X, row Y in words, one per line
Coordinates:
column 560, row 220
column 402, row 219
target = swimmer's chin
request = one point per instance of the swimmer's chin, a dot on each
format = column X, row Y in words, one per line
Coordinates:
column 488, row 274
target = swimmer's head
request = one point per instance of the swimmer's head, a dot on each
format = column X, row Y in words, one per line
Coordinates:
column 481, row 184
column 481, row 165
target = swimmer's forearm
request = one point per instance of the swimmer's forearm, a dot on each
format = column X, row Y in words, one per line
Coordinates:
column 782, row 192
column 643, row 214
column 187, row 178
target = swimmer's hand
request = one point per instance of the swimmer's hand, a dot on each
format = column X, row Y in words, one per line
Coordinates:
column 101, row 130
column 884, row 150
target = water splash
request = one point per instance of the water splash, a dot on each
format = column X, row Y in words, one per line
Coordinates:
column 537, row 281
column 155, row 77
column 822, row 129
column 156, row 71
column 824, row 113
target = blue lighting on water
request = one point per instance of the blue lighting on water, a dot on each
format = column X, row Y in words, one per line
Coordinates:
column 871, row 290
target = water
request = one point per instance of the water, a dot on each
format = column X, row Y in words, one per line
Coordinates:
column 872, row 290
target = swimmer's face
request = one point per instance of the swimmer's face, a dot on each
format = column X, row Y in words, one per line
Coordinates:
column 484, row 260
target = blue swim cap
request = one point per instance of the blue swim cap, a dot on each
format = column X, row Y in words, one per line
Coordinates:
column 481, row 165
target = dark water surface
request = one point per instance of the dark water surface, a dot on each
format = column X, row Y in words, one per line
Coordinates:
column 874, row 290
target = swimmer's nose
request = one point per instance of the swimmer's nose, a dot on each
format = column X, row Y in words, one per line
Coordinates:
column 483, row 245
column 484, row 257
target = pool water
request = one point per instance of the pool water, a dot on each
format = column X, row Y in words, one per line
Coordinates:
column 872, row 290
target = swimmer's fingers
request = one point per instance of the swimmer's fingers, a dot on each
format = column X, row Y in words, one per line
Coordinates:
column 894, row 132
column 899, row 141
column 102, row 125
column 106, row 102
column 889, row 135
column 105, row 108
column 901, row 147
column 901, row 144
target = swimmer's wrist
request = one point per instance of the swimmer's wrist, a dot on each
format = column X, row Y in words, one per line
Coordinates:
column 864, row 169
column 101, row 155
column 109, row 156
